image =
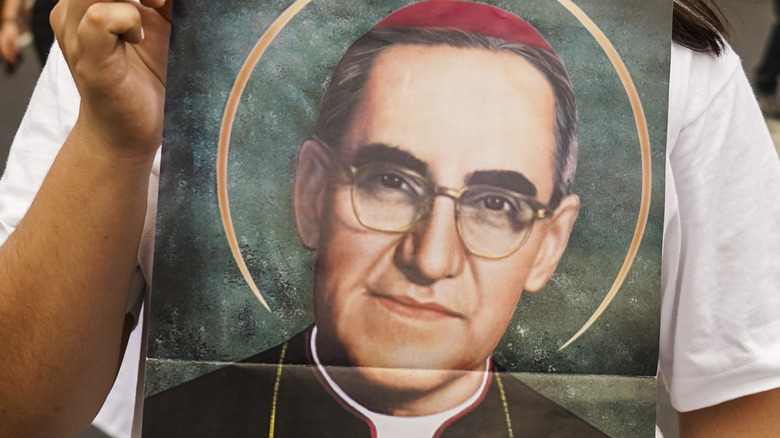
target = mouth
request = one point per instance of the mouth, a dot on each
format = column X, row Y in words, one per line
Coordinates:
column 411, row 308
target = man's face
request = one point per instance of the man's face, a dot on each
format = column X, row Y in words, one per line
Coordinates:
column 419, row 299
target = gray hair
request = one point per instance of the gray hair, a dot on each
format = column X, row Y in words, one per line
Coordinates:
column 351, row 74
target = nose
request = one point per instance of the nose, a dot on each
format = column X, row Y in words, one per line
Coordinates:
column 432, row 251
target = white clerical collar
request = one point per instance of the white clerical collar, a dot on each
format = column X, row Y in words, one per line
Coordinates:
column 390, row 426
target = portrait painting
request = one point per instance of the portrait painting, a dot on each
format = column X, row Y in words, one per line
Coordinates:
column 437, row 218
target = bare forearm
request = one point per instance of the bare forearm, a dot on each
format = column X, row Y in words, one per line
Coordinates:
column 64, row 278
column 752, row 416
column 66, row 271
column 11, row 8
column 9, row 30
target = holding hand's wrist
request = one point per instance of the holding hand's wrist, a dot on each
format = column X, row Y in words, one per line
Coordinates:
column 10, row 20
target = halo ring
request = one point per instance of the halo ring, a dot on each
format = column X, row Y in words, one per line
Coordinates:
column 276, row 27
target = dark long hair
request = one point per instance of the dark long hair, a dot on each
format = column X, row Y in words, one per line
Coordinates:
column 699, row 25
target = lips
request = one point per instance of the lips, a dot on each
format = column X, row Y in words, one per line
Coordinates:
column 411, row 308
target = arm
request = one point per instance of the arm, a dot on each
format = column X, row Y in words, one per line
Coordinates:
column 751, row 416
column 9, row 30
column 66, row 270
column 720, row 313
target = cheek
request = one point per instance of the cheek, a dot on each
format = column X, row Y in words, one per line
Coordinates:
column 499, row 305
column 345, row 243
column 500, row 283
column 349, row 254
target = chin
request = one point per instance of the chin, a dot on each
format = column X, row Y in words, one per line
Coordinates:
column 412, row 391
column 411, row 367
column 407, row 380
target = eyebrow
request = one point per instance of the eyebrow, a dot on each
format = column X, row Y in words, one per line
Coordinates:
column 383, row 153
column 505, row 179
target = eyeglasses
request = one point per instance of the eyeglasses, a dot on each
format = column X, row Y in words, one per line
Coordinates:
column 492, row 222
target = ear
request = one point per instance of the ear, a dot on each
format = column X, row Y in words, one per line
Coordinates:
column 309, row 190
column 555, row 240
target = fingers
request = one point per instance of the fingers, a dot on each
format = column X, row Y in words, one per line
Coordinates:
column 8, row 45
column 9, row 53
column 103, row 23
column 166, row 10
column 96, row 26
column 93, row 33
column 117, row 53
column 154, row 4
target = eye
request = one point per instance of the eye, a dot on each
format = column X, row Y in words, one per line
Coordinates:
column 381, row 181
column 491, row 200
column 498, row 203
column 392, row 180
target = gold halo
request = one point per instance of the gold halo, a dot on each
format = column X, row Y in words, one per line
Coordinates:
column 644, row 146
column 625, row 78
column 224, row 139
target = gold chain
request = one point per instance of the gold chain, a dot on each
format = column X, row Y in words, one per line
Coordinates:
column 506, row 406
column 276, row 390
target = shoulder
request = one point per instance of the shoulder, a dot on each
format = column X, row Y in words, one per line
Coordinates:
column 696, row 79
column 713, row 116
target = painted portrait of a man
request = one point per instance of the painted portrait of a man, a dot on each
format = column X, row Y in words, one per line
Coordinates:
column 434, row 190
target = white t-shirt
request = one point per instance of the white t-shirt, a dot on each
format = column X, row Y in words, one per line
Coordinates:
column 720, row 313
column 720, row 310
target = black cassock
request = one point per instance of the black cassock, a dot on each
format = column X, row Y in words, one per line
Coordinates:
column 247, row 398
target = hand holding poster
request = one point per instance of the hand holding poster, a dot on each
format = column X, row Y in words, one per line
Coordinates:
column 433, row 184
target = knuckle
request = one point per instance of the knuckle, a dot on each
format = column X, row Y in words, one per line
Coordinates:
column 80, row 70
column 97, row 15
column 57, row 17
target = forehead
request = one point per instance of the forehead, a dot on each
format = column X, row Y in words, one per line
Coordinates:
column 459, row 110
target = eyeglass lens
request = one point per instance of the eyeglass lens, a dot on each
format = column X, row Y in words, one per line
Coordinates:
column 492, row 222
